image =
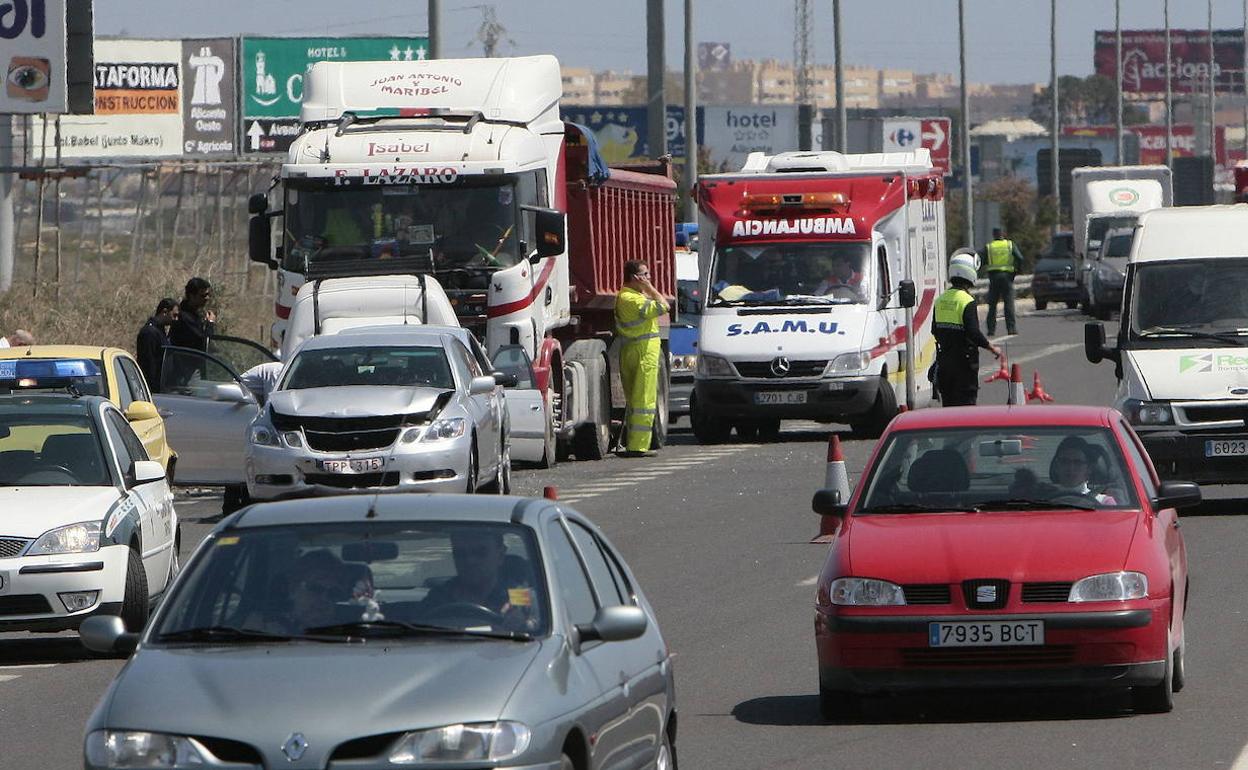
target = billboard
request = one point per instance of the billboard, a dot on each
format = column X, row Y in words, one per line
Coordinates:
column 730, row 134
column 909, row 134
column 621, row 131
column 272, row 78
column 714, row 57
column 138, row 105
column 209, row 97
column 32, row 38
column 1144, row 60
column 1183, row 141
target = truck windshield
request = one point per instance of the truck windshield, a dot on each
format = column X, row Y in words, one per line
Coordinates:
column 1194, row 297
column 1098, row 226
column 763, row 273
column 472, row 223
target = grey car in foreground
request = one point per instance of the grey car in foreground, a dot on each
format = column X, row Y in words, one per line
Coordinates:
column 381, row 631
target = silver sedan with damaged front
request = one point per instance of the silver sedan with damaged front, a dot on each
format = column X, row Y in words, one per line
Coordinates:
column 396, row 410
column 441, row 631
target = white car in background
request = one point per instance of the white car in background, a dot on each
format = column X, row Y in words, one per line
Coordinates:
column 88, row 525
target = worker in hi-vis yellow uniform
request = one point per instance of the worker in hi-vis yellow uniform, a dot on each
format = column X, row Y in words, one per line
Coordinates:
column 638, row 307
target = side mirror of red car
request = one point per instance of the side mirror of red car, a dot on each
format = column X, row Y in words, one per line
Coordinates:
column 827, row 502
column 1177, row 494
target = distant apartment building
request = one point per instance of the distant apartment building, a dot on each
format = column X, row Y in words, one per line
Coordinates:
column 578, row 85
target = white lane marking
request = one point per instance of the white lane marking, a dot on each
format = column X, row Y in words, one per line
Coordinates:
column 810, row 581
column 1041, row 353
column 23, row 666
column 1241, row 761
column 9, row 677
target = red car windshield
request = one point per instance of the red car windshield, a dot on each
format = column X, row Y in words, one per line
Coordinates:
column 999, row 469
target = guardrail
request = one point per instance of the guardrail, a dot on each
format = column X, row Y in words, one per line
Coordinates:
column 1022, row 287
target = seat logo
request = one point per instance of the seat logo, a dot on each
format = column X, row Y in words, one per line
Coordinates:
column 295, row 746
column 780, row 366
column 985, row 594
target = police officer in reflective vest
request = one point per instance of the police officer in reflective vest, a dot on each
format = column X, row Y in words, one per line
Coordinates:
column 638, row 307
column 955, row 324
column 1004, row 260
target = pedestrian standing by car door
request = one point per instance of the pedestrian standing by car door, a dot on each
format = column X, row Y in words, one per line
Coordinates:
column 955, row 325
column 195, row 322
column 149, row 347
column 1004, row 261
column 638, row 307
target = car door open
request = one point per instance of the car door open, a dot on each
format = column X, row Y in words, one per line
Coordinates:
column 526, row 407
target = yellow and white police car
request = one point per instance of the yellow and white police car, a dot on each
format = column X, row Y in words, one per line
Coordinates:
column 87, row 524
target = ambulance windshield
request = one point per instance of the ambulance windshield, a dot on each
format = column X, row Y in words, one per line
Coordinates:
column 791, row 273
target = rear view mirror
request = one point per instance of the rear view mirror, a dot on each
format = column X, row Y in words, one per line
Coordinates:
column 1011, row 447
column 550, row 227
column 141, row 410
column 906, row 293
column 480, row 386
column 1094, row 347
column 614, row 624
column 369, row 551
column 260, row 240
column 827, row 502
column 232, row 392
column 146, row 471
column 106, row 634
column 1177, row 494
column 506, row 379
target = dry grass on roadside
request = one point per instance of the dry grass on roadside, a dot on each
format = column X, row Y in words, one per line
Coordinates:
column 108, row 306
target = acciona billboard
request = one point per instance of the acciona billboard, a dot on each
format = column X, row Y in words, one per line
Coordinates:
column 1144, row 60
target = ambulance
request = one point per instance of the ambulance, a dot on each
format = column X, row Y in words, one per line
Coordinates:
column 818, row 274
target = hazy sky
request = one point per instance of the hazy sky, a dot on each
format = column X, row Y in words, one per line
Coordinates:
column 1008, row 40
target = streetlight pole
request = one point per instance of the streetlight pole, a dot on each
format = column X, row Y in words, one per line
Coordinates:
column 842, row 118
column 1118, row 73
column 691, row 115
column 656, row 69
column 1213, row 88
column 1055, row 128
column 1169, row 91
column 968, row 211
column 435, row 29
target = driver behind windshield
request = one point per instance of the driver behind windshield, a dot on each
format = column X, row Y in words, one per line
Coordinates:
column 1070, row 473
column 316, row 584
column 481, row 579
column 843, row 277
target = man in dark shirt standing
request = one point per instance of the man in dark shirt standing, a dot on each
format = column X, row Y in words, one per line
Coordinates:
column 194, row 324
column 955, row 324
column 149, row 348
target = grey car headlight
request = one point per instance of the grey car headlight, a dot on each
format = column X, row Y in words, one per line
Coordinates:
column 714, row 366
column 83, row 537
column 446, row 428
column 849, row 363
column 263, row 435
column 1148, row 412
column 1110, row 587
column 481, row 742
column 865, row 592
column 133, row 748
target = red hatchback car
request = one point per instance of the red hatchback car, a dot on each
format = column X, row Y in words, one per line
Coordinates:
column 1004, row 547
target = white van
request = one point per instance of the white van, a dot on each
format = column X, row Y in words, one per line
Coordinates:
column 1182, row 348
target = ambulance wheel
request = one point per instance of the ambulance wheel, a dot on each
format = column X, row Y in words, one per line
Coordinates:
column 707, row 429
column 873, row 423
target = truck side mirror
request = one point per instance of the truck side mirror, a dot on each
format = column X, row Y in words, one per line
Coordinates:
column 260, row 238
column 1094, row 347
column 906, row 293
column 258, row 204
column 549, row 227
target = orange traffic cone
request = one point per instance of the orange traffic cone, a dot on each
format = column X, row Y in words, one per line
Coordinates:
column 1001, row 374
column 835, row 477
column 1037, row 392
column 550, row 493
column 1018, row 395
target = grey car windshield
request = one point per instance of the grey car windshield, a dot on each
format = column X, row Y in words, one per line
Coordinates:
column 407, row 366
column 1173, row 300
column 472, row 223
column 764, row 272
column 350, row 578
column 50, row 450
column 1017, row 468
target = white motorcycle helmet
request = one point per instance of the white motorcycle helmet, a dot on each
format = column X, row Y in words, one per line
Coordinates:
column 967, row 255
column 962, row 269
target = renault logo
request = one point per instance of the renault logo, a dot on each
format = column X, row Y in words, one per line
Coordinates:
column 780, row 366
column 295, row 746
column 985, row 594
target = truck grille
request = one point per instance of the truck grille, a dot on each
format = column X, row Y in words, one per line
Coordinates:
column 761, row 370
column 1216, row 413
column 968, row 657
column 347, row 434
column 1046, row 592
column 928, row 593
column 12, row 546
